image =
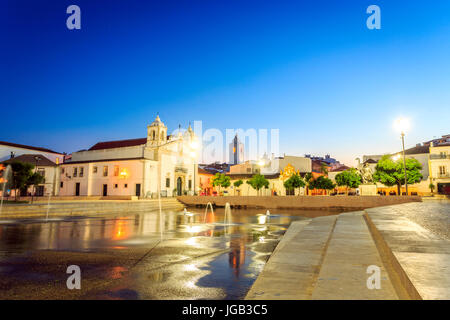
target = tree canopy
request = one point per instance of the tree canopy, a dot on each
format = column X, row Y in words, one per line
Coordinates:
column 221, row 180
column 23, row 176
column 349, row 178
column 258, row 181
column 391, row 173
column 294, row 182
column 321, row 183
column 238, row 183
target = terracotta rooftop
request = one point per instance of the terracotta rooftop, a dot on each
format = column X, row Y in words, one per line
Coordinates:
column 31, row 158
column 443, row 144
column 27, row 147
column 203, row 171
column 250, row 175
column 341, row 168
column 417, row 150
column 118, row 144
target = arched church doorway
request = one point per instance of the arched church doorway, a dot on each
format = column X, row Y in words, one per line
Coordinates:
column 179, row 186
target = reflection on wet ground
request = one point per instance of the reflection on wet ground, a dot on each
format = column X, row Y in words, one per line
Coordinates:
column 196, row 256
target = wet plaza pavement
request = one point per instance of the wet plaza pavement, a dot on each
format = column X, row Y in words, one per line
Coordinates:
column 433, row 215
column 140, row 256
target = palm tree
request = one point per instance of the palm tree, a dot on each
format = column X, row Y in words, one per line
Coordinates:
column 323, row 168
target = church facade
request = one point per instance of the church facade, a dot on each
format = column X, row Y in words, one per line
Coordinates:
column 135, row 167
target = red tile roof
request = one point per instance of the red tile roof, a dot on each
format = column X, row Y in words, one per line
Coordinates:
column 31, row 158
column 118, row 144
column 203, row 171
column 417, row 150
column 27, row 147
column 341, row 168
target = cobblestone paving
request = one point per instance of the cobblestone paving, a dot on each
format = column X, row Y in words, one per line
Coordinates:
column 433, row 215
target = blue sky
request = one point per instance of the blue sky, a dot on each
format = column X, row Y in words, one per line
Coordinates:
column 311, row 69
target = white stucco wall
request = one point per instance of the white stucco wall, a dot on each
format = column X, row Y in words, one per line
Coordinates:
column 91, row 184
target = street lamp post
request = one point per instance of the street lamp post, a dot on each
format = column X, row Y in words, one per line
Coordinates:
column 403, row 124
column 194, row 146
column 404, row 161
column 36, row 160
column 261, row 164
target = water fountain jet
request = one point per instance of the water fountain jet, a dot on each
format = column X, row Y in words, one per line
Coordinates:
column 4, row 180
column 209, row 204
column 227, row 215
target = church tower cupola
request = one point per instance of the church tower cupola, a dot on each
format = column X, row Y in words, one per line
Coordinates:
column 156, row 132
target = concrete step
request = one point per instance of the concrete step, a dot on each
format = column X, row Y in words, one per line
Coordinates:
column 418, row 260
column 343, row 274
column 293, row 268
column 88, row 207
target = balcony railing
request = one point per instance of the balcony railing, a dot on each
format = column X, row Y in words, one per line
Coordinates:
column 439, row 156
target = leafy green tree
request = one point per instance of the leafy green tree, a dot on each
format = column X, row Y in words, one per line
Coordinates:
column 221, row 180
column 294, row 182
column 23, row 176
column 35, row 180
column 258, row 181
column 323, row 168
column 391, row 173
column 321, row 183
column 431, row 186
column 349, row 178
column 308, row 178
column 237, row 184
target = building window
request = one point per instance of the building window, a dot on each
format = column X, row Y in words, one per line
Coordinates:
column 125, row 185
column 61, row 184
column 75, row 172
column 81, row 171
column 167, row 182
column 63, row 170
column 94, row 169
column 190, row 184
column 442, row 170
column 249, row 170
column 115, row 186
column 116, row 171
column 105, row 171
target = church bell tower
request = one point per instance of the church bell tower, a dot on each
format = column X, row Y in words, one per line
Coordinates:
column 156, row 133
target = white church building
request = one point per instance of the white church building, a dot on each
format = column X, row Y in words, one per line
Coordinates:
column 135, row 167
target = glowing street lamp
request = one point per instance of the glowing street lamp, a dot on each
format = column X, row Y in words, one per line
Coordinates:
column 402, row 125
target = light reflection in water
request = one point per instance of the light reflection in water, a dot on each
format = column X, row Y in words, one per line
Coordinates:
column 262, row 219
column 191, row 241
column 248, row 242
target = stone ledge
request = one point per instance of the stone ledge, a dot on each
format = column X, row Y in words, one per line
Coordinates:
column 337, row 203
column 418, row 261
